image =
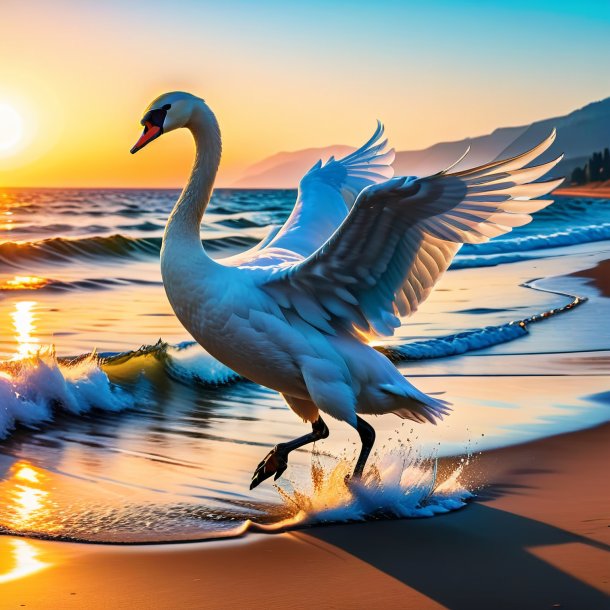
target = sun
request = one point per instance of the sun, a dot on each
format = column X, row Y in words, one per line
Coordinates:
column 11, row 128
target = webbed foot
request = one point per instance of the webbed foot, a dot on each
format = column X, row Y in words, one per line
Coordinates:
column 274, row 463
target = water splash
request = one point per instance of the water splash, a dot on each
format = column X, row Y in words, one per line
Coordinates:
column 394, row 486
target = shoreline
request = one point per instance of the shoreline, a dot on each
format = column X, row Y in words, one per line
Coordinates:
column 596, row 190
column 541, row 505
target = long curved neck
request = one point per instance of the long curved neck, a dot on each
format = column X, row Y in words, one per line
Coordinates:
column 183, row 226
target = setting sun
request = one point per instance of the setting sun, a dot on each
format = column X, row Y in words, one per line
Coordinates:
column 11, row 128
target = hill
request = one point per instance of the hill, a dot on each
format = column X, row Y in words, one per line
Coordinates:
column 579, row 133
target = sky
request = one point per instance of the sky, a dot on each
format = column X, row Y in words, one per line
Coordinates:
column 280, row 76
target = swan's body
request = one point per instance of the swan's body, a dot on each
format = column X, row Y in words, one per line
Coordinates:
column 359, row 250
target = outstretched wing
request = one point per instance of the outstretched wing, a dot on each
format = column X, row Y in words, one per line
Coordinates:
column 326, row 194
column 401, row 236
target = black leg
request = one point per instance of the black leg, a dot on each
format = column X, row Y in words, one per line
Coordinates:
column 276, row 461
column 367, row 436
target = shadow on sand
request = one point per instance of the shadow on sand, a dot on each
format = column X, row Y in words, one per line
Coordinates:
column 475, row 558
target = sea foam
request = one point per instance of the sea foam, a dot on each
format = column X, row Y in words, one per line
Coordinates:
column 32, row 389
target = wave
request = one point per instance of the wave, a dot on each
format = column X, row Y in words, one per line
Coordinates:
column 188, row 362
column 459, row 343
column 243, row 223
column 479, row 338
column 143, row 226
column 491, row 260
column 185, row 362
column 33, row 389
column 569, row 237
column 65, row 250
column 61, row 249
column 118, row 246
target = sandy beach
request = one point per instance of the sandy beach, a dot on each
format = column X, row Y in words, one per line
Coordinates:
column 535, row 537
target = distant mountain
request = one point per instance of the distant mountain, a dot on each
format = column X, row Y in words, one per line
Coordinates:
column 285, row 169
column 579, row 134
column 439, row 156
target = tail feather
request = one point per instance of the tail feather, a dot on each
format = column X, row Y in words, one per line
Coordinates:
column 416, row 405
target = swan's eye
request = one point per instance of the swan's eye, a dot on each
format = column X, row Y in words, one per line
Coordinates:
column 166, row 107
column 156, row 116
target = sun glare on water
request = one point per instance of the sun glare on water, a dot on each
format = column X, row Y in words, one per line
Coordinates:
column 23, row 282
column 11, row 128
column 24, row 326
column 26, row 505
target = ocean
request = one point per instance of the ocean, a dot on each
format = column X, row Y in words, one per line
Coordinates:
column 116, row 427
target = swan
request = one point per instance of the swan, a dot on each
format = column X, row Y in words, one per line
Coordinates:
column 360, row 250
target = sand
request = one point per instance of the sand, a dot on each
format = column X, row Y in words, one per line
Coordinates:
column 535, row 537
column 599, row 190
column 598, row 276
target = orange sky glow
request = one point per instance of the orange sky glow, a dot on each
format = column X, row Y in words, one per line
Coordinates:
column 278, row 77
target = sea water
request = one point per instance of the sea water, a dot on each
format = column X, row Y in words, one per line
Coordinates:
column 115, row 426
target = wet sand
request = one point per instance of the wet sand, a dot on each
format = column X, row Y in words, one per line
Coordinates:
column 599, row 190
column 536, row 537
column 598, row 276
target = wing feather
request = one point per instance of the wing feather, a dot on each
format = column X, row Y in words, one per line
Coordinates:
column 326, row 194
column 401, row 235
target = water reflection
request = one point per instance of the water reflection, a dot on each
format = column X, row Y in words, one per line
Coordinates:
column 7, row 223
column 26, row 502
column 24, row 282
column 27, row 473
column 23, row 323
column 23, row 560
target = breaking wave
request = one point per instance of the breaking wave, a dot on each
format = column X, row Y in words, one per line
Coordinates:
column 33, row 389
column 186, row 362
column 569, row 237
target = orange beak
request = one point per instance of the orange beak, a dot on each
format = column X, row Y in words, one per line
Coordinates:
column 148, row 135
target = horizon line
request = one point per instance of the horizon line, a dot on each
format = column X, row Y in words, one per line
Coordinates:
column 146, row 188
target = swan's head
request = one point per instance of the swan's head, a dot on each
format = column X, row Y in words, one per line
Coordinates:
column 168, row 112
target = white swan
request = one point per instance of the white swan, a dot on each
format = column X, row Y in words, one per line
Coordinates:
column 359, row 249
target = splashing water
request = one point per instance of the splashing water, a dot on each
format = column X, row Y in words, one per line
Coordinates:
column 393, row 487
